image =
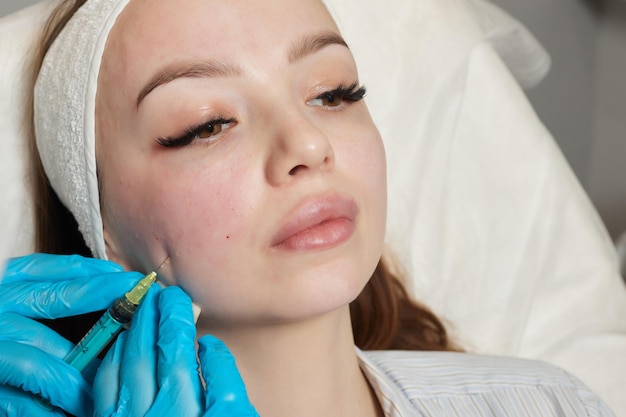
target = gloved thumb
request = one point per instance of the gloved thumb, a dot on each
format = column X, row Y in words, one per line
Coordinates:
column 225, row 390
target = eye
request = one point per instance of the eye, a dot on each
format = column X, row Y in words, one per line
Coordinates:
column 338, row 96
column 330, row 99
column 209, row 130
column 205, row 132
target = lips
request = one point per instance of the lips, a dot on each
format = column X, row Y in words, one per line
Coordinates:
column 320, row 223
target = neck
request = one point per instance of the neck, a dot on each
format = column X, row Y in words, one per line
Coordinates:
column 307, row 368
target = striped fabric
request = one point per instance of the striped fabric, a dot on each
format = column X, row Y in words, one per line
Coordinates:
column 463, row 385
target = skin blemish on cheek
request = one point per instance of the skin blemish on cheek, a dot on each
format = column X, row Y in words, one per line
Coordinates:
column 227, row 236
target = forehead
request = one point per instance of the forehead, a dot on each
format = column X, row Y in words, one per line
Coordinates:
column 153, row 32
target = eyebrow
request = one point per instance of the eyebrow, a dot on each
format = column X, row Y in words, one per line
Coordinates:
column 299, row 49
column 312, row 43
column 205, row 69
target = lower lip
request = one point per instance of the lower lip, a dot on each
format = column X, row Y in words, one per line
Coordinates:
column 322, row 236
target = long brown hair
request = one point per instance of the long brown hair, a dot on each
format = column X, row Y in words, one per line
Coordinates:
column 383, row 315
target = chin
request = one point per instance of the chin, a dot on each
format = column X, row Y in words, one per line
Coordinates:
column 331, row 291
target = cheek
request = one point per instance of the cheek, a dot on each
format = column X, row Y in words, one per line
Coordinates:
column 360, row 151
column 366, row 165
column 202, row 216
column 362, row 158
column 184, row 214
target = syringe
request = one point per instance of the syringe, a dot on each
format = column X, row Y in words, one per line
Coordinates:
column 110, row 324
column 106, row 329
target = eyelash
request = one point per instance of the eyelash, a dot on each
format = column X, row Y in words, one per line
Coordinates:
column 192, row 133
column 352, row 93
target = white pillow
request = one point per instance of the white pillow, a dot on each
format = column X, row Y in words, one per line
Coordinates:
column 495, row 232
column 17, row 33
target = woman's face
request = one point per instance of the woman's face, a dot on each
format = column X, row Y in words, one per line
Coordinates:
column 231, row 138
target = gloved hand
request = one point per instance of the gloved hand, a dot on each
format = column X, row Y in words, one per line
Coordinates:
column 31, row 355
column 152, row 370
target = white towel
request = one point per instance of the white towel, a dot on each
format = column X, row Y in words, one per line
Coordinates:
column 65, row 101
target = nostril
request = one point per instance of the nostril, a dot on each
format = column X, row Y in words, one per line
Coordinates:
column 294, row 170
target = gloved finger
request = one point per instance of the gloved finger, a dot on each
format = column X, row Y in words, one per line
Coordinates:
column 20, row 329
column 138, row 380
column 106, row 385
column 225, row 390
column 17, row 403
column 28, row 368
column 54, row 299
column 48, row 267
column 180, row 389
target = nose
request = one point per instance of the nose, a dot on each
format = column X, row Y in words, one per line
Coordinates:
column 299, row 148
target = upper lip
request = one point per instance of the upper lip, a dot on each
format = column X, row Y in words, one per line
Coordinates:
column 313, row 212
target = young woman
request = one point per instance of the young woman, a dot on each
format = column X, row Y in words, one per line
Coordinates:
column 233, row 146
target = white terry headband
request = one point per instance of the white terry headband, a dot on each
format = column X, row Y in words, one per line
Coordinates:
column 64, row 113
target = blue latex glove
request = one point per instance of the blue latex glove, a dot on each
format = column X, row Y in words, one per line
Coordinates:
column 31, row 355
column 153, row 371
